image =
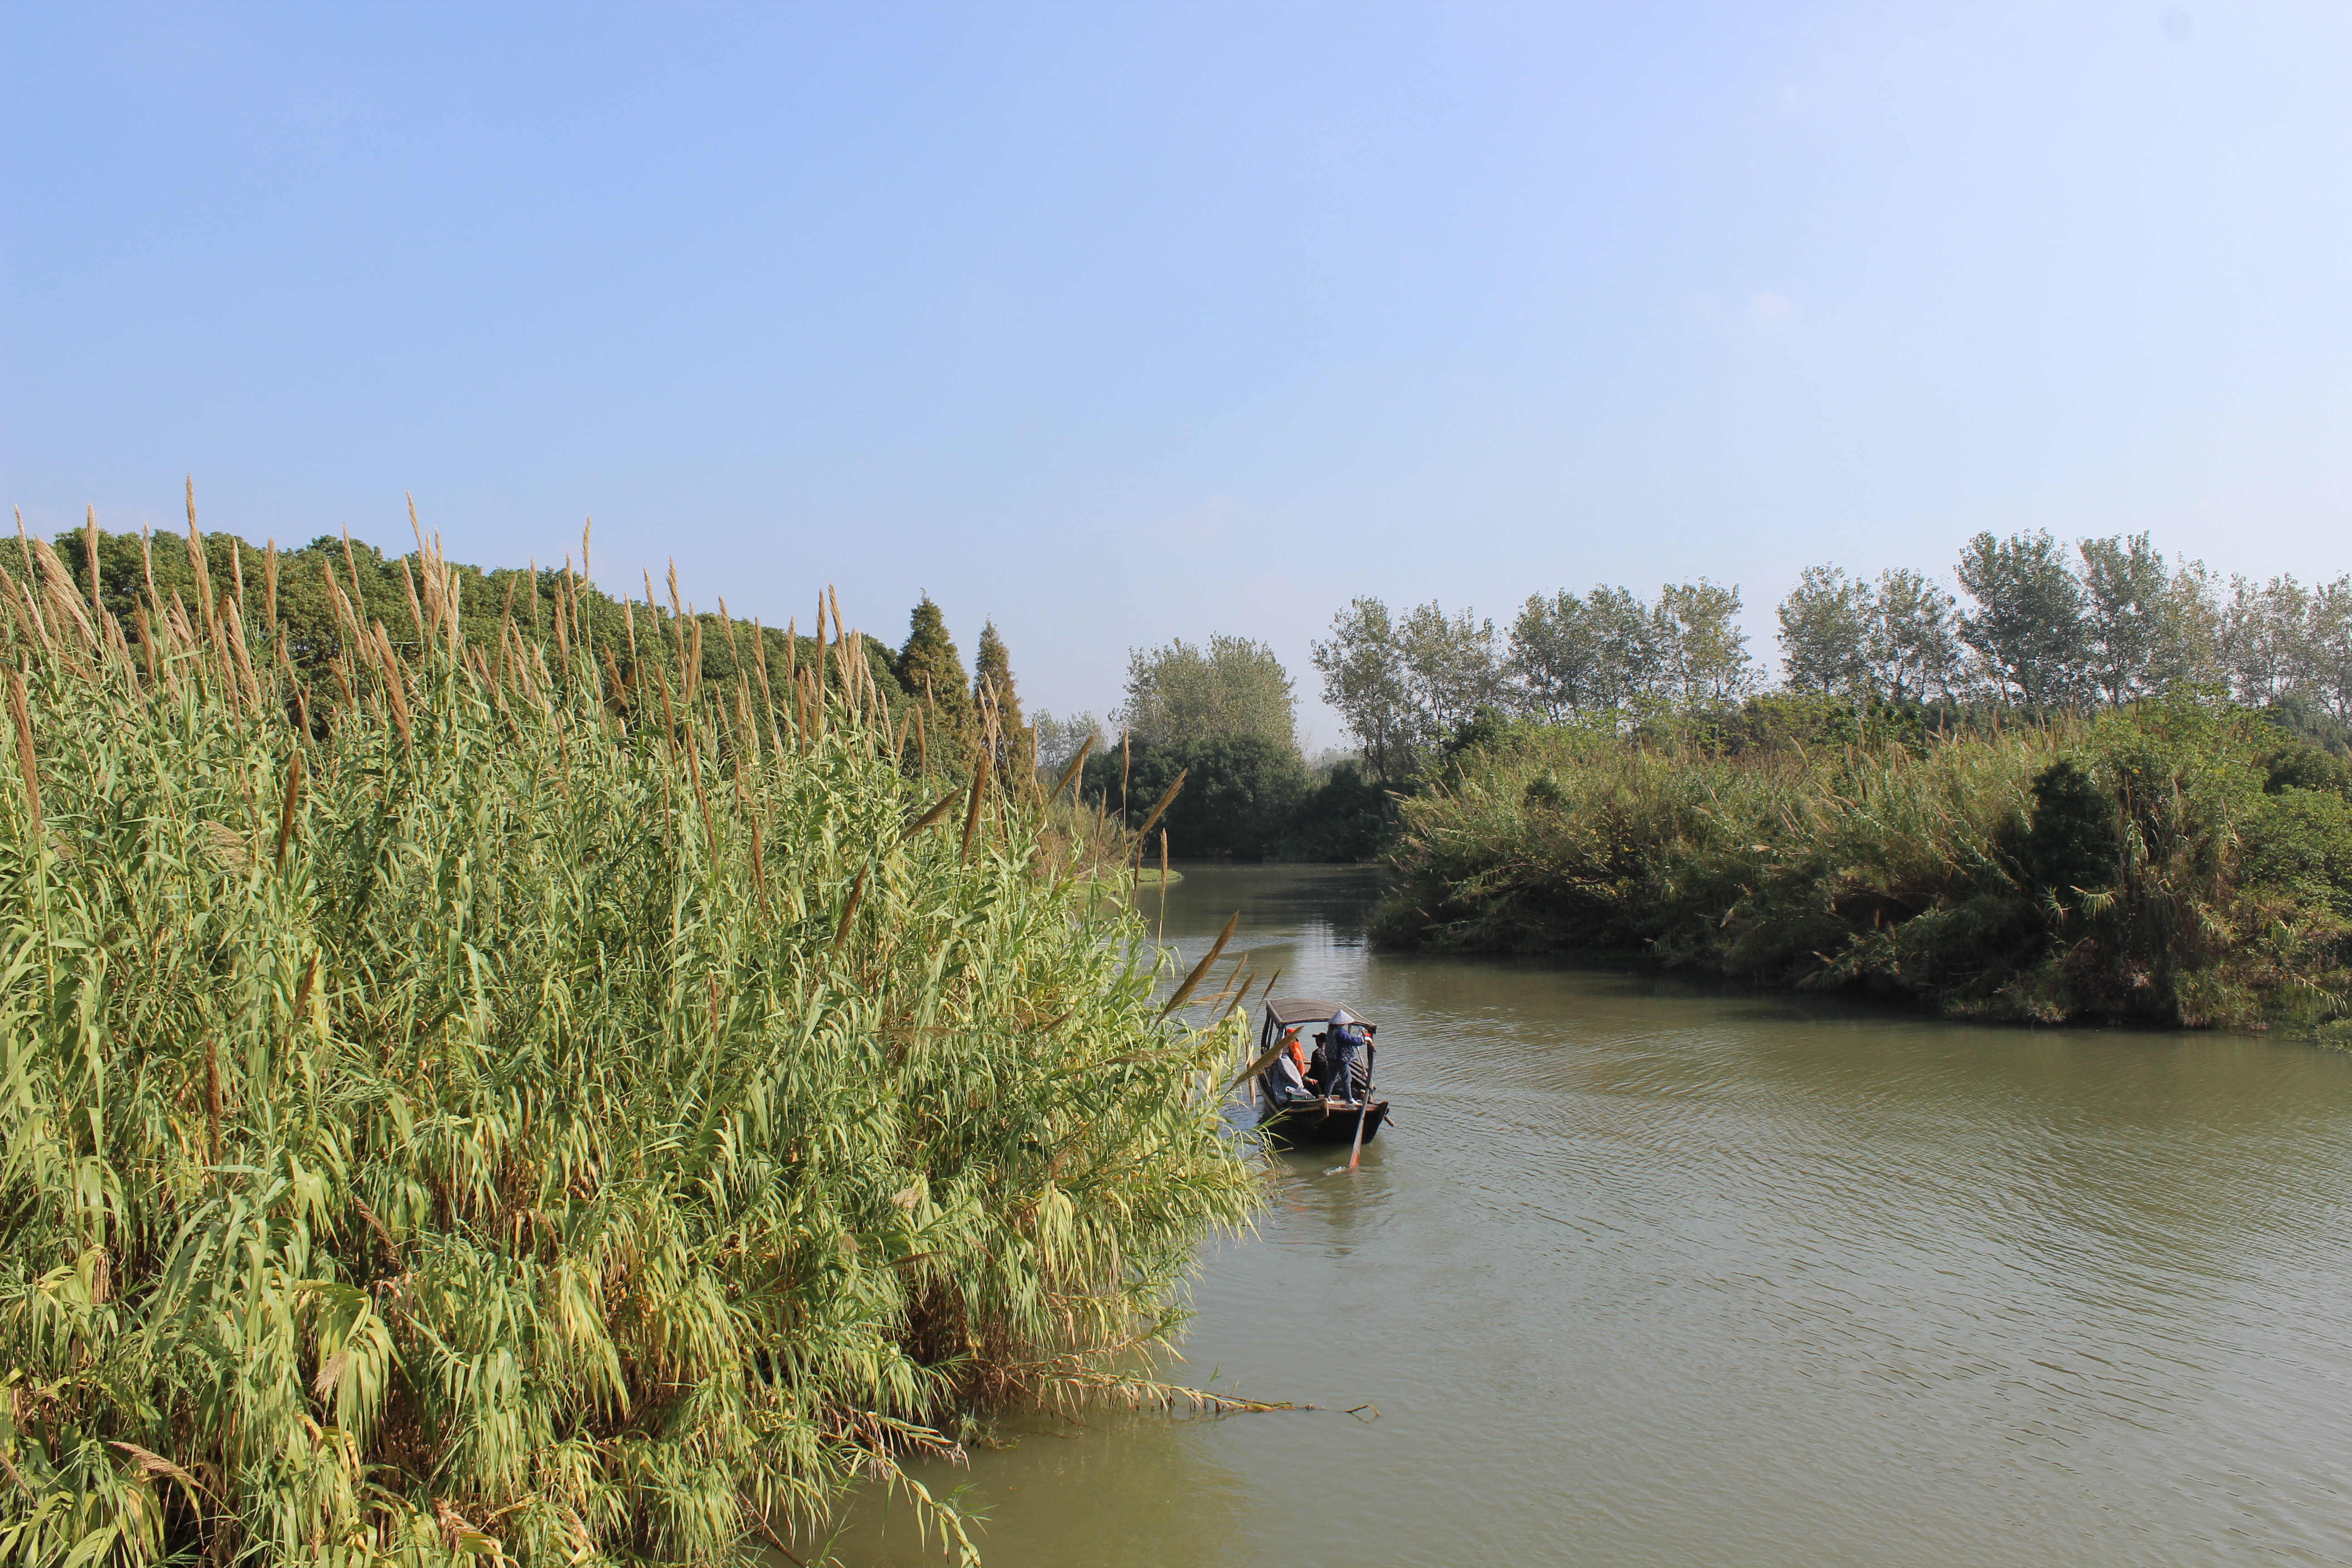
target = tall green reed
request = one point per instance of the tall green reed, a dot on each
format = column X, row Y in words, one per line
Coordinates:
column 469, row 1100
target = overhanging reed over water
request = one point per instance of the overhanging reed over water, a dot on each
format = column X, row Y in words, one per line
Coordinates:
column 508, row 1095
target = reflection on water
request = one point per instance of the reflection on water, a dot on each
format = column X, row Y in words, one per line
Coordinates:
column 1652, row 1273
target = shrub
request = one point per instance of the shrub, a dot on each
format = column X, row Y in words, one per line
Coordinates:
column 2070, row 847
column 2128, row 867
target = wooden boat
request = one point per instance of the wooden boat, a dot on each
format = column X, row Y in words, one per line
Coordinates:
column 1316, row 1117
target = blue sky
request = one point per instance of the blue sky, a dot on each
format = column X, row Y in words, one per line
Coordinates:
column 1119, row 322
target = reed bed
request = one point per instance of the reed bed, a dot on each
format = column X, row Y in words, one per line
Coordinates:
column 2200, row 894
column 505, row 1102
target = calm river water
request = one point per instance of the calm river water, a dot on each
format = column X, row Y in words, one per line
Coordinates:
column 1652, row 1273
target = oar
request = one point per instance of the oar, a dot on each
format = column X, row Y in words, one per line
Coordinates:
column 1363, row 1113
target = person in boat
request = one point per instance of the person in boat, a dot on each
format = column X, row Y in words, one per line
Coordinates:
column 1344, row 1047
column 1286, row 1080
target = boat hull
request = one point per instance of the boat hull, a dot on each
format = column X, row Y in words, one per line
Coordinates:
column 1305, row 1124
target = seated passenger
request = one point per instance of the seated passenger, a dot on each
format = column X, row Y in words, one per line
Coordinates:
column 1285, row 1079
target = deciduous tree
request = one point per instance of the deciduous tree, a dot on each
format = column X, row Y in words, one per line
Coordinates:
column 2028, row 629
column 1827, row 624
column 1180, row 694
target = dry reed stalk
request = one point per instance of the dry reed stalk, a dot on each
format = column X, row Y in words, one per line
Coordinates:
column 971, row 816
column 19, row 710
column 392, row 686
column 1192, row 980
column 197, row 565
column 351, row 570
column 759, row 860
column 216, row 644
column 613, row 689
column 178, row 629
column 147, row 646
column 243, row 659
column 701, row 795
column 849, row 910
column 1241, row 995
column 767, row 696
column 302, row 991
column 58, row 586
column 937, row 811
column 147, row 566
column 212, row 1102
column 270, row 586
column 11, row 593
column 693, row 653
column 1126, row 760
column 236, row 573
column 24, row 590
column 1165, row 801
column 286, row 811
column 747, row 728
column 89, row 553
column 922, row 746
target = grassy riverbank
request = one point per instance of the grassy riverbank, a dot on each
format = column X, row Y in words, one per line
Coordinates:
column 463, row 1094
column 2174, row 862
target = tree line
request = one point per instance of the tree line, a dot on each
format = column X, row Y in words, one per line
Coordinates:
column 2037, row 624
column 2030, row 623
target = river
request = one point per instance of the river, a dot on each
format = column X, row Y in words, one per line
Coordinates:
column 1650, row 1272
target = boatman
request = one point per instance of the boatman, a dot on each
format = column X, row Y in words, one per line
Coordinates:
column 1340, row 1043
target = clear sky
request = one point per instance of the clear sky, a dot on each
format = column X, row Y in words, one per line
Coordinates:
column 1119, row 323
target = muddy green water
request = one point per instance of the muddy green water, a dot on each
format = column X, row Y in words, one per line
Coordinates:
column 1653, row 1273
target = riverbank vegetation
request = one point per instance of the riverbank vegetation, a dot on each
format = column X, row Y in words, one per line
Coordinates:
column 2109, row 786
column 488, row 1068
column 2178, row 861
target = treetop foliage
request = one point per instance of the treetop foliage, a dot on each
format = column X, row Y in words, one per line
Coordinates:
column 2044, row 627
column 1233, row 687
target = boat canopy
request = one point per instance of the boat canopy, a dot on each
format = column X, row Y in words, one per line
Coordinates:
column 1284, row 1011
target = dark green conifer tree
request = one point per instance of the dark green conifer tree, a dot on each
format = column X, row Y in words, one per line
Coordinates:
column 932, row 673
column 991, row 687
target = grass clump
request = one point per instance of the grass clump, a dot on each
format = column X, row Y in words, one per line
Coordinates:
column 2174, row 861
column 487, row 1098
